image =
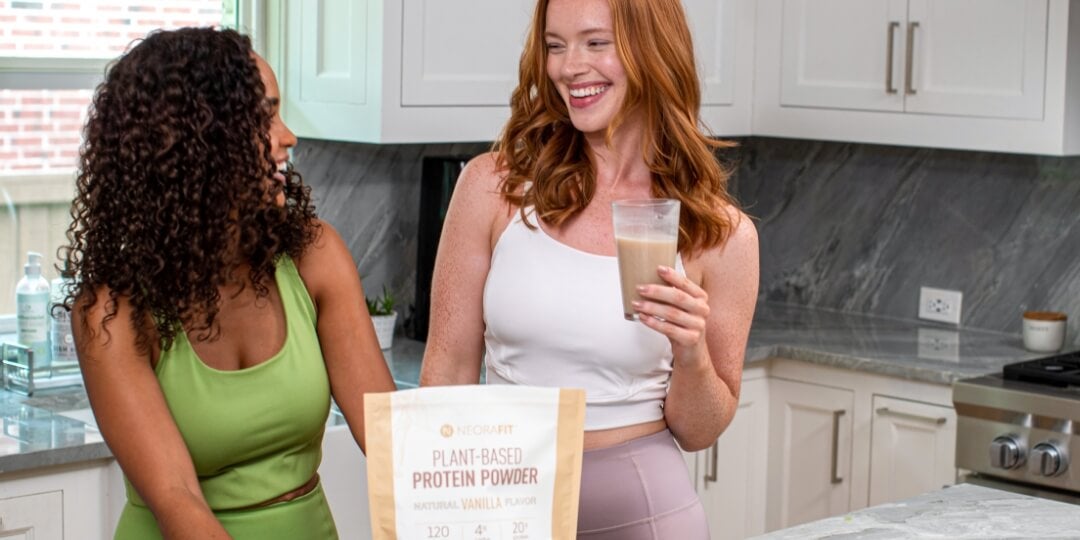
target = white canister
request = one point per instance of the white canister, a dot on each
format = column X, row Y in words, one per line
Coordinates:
column 1044, row 331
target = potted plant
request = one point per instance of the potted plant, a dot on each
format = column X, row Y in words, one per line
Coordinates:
column 383, row 316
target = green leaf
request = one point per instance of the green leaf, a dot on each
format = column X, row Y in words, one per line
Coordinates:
column 382, row 304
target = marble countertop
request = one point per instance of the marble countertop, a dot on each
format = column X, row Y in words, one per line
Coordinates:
column 908, row 349
column 963, row 511
column 56, row 427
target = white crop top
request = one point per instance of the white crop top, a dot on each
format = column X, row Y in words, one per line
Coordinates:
column 554, row 317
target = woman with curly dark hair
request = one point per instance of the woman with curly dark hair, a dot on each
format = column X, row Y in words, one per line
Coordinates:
column 214, row 314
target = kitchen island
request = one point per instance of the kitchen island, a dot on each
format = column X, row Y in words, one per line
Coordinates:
column 50, row 444
column 963, row 511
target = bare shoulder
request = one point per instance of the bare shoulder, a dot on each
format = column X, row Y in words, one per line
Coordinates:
column 483, row 172
column 480, row 183
column 743, row 235
column 90, row 315
column 326, row 259
column 103, row 327
column 477, row 205
column 739, row 252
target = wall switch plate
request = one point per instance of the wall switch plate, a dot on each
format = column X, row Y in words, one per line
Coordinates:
column 940, row 305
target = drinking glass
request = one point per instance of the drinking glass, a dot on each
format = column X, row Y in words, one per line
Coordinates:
column 646, row 236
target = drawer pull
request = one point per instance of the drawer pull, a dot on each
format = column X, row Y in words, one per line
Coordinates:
column 889, row 88
column 836, row 444
column 710, row 467
column 918, row 417
column 909, row 86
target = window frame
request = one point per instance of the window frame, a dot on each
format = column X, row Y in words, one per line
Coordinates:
column 44, row 72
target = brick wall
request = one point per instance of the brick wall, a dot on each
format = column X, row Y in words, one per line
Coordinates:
column 40, row 130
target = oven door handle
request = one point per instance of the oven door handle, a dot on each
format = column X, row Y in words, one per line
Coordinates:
column 885, row 411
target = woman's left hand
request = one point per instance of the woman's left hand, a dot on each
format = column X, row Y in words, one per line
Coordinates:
column 678, row 310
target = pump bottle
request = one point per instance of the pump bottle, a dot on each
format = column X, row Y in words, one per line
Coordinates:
column 32, row 311
column 60, row 337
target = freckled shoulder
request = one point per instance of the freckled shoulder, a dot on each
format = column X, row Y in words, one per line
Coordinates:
column 741, row 242
column 478, row 194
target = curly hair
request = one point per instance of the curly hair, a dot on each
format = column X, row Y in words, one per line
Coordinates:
column 540, row 145
column 173, row 192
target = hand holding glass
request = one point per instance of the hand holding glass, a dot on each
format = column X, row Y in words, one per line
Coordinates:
column 646, row 236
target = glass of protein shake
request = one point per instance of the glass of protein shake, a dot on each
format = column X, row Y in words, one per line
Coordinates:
column 646, row 236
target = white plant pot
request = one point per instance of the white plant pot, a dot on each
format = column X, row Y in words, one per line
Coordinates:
column 384, row 329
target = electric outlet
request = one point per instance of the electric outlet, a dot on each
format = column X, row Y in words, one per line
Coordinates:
column 940, row 305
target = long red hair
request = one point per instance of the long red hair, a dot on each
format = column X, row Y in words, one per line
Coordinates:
column 541, row 146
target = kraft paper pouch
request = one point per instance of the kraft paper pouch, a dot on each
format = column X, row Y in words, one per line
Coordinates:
column 474, row 462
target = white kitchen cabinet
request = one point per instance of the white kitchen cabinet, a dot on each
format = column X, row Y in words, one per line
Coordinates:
column 69, row 502
column 407, row 71
column 951, row 57
column 835, row 54
column 999, row 75
column 810, row 442
column 731, row 474
column 343, row 474
column 397, row 71
column 976, row 58
column 867, row 449
column 452, row 54
column 32, row 517
column 723, row 33
column 913, row 449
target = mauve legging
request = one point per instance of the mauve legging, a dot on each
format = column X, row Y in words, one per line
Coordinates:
column 639, row 490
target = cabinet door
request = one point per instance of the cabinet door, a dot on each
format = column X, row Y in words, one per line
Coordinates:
column 731, row 475
column 452, row 54
column 810, row 439
column 912, row 450
column 842, row 54
column 330, row 80
column 712, row 24
column 343, row 474
column 978, row 57
column 33, row 517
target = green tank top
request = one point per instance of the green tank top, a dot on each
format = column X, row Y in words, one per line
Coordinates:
column 254, row 433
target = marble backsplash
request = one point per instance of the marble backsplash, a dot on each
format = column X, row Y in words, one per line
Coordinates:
column 370, row 193
column 859, row 228
column 850, row 227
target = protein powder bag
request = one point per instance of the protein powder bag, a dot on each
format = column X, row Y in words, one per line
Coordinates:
column 475, row 462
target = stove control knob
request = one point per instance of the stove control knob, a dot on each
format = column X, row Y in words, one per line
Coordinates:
column 1006, row 453
column 1047, row 460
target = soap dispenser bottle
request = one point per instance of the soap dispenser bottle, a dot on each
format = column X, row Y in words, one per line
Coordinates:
column 60, row 337
column 32, row 311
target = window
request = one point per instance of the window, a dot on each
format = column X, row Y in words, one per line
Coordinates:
column 52, row 54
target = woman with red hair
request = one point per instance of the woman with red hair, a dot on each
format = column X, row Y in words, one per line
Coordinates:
column 526, row 280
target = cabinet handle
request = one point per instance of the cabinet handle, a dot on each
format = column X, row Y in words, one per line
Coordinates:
column 836, row 444
column 889, row 88
column 710, row 467
column 918, row 417
column 909, row 68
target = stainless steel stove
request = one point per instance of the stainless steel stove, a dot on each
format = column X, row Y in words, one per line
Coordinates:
column 1020, row 429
